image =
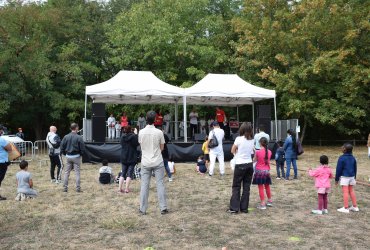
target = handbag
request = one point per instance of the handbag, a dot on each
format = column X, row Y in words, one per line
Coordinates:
column 299, row 148
column 14, row 154
column 213, row 142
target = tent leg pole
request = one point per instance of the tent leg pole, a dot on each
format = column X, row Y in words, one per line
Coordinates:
column 176, row 120
column 254, row 125
column 185, row 122
column 276, row 129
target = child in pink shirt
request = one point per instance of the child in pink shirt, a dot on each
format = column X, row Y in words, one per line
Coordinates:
column 322, row 175
column 262, row 173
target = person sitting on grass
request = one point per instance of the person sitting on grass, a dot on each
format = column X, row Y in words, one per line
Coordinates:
column 322, row 175
column 346, row 174
column 105, row 173
column 201, row 165
column 24, row 183
column 205, row 150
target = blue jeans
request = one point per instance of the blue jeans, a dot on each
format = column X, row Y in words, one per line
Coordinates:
column 168, row 171
column 294, row 162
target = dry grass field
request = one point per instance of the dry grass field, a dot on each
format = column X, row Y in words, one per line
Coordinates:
column 100, row 218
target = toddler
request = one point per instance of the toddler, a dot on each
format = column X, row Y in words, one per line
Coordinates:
column 262, row 176
column 24, row 183
column 346, row 174
column 280, row 159
column 105, row 173
column 205, row 150
column 322, row 175
column 201, row 165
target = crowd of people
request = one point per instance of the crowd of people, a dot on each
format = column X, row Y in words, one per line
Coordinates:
column 251, row 158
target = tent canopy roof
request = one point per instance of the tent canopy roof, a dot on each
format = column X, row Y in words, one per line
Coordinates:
column 134, row 87
column 225, row 90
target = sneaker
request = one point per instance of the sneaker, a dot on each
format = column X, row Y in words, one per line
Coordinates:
column 58, row 181
column 79, row 190
column 278, row 178
column 262, row 207
column 325, row 211
column 23, row 197
column 169, row 179
column 230, row 211
column 316, row 211
column 164, row 212
column 2, row 198
column 18, row 198
column 52, row 180
column 269, row 203
column 141, row 212
column 295, row 178
column 65, row 190
column 354, row 209
column 343, row 210
column 287, row 178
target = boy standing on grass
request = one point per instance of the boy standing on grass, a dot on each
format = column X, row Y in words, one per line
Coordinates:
column 280, row 159
column 346, row 174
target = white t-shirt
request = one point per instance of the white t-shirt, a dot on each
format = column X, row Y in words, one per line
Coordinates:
column 193, row 118
column 245, row 150
column 171, row 165
column 105, row 170
column 257, row 138
column 220, row 134
column 150, row 140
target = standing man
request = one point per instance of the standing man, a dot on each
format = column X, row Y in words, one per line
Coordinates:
column 217, row 152
column 152, row 143
column 53, row 141
column 5, row 148
column 193, row 116
column 261, row 133
column 73, row 147
column 20, row 133
column 167, row 121
column 220, row 117
column 111, row 122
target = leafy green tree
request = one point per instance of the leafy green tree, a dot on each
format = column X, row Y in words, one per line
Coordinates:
column 315, row 53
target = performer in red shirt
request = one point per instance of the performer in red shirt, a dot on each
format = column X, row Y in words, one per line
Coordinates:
column 158, row 122
column 124, row 120
column 220, row 117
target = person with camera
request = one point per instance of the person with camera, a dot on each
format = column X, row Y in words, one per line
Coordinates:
column 53, row 141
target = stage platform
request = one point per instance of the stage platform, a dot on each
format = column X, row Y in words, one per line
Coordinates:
column 178, row 151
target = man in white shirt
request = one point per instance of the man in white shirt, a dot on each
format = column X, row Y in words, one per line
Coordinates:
column 258, row 136
column 152, row 143
column 217, row 152
column 111, row 122
column 167, row 122
column 193, row 122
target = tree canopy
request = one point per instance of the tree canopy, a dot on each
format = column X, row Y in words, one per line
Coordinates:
column 315, row 53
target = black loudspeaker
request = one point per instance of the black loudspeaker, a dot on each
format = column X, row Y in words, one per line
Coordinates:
column 264, row 111
column 98, row 128
column 98, row 109
column 267, row 123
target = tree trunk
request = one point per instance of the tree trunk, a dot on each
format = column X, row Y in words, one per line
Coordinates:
column 304, row 129
column 38, row 131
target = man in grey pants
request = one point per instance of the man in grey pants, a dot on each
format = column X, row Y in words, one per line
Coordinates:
column 73, row 147
column 152, row 144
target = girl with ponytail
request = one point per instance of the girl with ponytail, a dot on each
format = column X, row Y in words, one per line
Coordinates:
column 262, row 176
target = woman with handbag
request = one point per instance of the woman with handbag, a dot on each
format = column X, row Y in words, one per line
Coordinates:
column 242, row 149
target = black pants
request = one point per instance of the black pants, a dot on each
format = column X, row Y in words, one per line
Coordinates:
column 55, row 161
column 242, row 175
column 193, row 130
column 221, row 124
column 3, row 169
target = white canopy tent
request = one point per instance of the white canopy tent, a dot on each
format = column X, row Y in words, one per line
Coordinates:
column 143, row 87
column 227, row 90
column 135, row 87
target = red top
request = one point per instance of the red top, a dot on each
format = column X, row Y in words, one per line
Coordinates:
column 220, row 115
column 158, row 120
column 124, row 121
column 260, row 155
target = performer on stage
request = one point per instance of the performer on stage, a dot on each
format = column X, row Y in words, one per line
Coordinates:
column 141, row 122
column 167, row 122
column 124, row 120
column 111, row 122
column 158, row 123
